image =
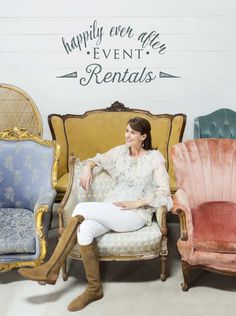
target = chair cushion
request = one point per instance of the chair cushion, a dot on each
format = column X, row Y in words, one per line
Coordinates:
column 145, row 241
column 17, row 232
column 215, row 226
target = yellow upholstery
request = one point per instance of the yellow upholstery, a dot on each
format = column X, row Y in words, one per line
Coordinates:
column 59, row 133
column 62, row 183
column 100, row 130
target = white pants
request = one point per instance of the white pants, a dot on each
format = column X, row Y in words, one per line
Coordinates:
column 101, row 217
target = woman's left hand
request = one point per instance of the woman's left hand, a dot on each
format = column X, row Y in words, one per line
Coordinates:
column 129, row 205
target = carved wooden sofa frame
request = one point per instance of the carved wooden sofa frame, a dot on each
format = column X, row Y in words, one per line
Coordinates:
column 97, row 131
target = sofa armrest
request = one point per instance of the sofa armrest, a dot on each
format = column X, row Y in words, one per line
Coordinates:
column 70, row 198
column 181, row 207
column 161, row 213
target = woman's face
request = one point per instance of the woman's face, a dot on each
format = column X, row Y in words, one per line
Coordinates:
column 133, row 138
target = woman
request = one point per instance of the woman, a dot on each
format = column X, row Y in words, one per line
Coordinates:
column 140, row 184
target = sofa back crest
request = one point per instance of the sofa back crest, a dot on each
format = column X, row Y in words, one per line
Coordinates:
column 100, row 130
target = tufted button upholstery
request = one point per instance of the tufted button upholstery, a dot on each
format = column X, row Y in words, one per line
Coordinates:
column 218, row 124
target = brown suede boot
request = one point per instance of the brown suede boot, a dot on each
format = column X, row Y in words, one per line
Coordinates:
column 93, row 291
column 49, row 271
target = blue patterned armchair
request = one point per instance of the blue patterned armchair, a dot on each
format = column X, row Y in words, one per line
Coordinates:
column 28, row 167
column 218, row 124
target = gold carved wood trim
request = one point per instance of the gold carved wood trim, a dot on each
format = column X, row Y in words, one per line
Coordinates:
column 5, row 267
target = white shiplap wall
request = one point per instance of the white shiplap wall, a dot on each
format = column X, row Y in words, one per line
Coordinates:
column 199, row 36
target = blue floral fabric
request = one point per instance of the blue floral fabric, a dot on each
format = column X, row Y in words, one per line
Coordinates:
column 25, row 167
column 17, row 231
column 25, row 184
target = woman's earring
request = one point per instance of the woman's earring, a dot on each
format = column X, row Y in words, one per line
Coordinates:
column 143, row 143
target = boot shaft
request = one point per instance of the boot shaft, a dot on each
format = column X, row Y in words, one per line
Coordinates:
column 90, row 258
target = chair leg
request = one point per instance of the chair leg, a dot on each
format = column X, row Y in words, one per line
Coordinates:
column 163, row 267
column 186, row 272
column 64, row 271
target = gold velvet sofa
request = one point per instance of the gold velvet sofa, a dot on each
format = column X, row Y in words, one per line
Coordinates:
column 99, row 130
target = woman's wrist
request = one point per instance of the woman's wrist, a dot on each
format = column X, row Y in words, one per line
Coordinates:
column 89, row 165
column 141, row 203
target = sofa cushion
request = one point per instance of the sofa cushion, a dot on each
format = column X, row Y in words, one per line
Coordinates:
column 17, row 232
column 209, row 234
column 145, row 241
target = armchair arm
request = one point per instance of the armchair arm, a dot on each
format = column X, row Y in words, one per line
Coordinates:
column 75, row 193
column 181, row 207
column 42, row 210
column 161, row 218
column 42, row 221
column 45, row 199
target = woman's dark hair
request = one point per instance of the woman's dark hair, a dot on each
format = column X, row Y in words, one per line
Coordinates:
column 143, row 126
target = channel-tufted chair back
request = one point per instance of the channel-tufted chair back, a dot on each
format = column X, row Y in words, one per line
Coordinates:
column 206, row 205
column 206, row 169
column 218, row 124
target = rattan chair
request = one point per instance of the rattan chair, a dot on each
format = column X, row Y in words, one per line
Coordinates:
column 17, row 109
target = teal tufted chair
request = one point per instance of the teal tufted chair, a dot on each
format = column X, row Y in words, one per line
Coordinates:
column 27, row 167
column 218, row 124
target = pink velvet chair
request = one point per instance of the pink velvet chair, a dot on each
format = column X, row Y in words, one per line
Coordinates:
column 206, row 204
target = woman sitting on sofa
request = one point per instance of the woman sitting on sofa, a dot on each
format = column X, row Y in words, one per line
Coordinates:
column 140, row 184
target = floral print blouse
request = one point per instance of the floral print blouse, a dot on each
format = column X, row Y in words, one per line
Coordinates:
column 143, row 178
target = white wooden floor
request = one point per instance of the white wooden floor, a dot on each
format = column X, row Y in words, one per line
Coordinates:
column 132, row 288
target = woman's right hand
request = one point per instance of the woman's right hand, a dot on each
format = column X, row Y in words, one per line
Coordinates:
column 86, row 178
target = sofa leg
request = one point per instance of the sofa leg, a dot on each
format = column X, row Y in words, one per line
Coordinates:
column 186, row 272
column 163, row 267
column 64, row 271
